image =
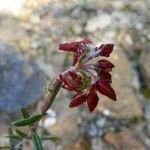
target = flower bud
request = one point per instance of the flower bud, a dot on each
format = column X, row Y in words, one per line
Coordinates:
column 92, row 101
column 106, row 49
column 105, row 88
column 78, row 99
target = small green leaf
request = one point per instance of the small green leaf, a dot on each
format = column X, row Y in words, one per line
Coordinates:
column 4, row 147
column 36, row 141
column 21, row 134
column 28, row 121
column 83, row 74
column 52, row 138
column 11, row 140
column 14, row 136
column 86, row 80
column 146, row 92
column 66, row 60
column 25, row 113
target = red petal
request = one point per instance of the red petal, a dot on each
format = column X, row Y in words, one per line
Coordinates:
column 73, row 46
column 68, row 88
column 92, row 101
column 73, row 74
column 76, row 56
column 105, row 64
column 104, row 75
column 78, row 99
column 93, row 88
column 76, row 79
column 106, row 49
column 66, row 80
column 105, row 88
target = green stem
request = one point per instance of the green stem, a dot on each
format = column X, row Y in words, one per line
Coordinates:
column 52, row 93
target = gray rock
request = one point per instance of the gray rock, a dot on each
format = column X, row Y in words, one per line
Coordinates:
column 21, row 80
column 125, row 139
column 127, row 104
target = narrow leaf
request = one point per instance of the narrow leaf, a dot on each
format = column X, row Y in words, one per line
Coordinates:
column 4, row 147
column 21, row 134
column 14, row 136
column 11, row 140
column 36, row 141
column 66, row 60
column 53, row 138
column 25, row 113
column 28, row 121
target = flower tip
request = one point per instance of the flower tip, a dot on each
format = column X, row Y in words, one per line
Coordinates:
column 60, row 46
column 111, row 45
column 92, row 101
column 106, row 89
column 63, row 46
column 106, row 49
column 77, row 100
column 71, row 105
column 91, row 110
column 105, row 64
column 115, row 98
column 69, row 47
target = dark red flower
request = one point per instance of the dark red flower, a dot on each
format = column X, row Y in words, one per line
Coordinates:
column 106, row 49
column 105, row 88
column 72, row 81
column 76, row 47
column 105, row 64
column 85, row 77
column 65, row 80
column 76, row 56
column 73, row 46
column 78, row 99
column 92, row 101
column 70, row 47
column 104, row 75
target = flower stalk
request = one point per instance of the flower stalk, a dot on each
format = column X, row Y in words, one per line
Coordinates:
column 83, row 78
column 53, row 90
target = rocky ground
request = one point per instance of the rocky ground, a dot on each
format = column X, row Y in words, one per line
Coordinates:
column 29, row 35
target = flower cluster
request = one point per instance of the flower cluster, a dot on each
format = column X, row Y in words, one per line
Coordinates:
column 86, row 78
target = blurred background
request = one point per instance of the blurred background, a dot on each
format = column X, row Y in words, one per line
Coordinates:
column 30, row 31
